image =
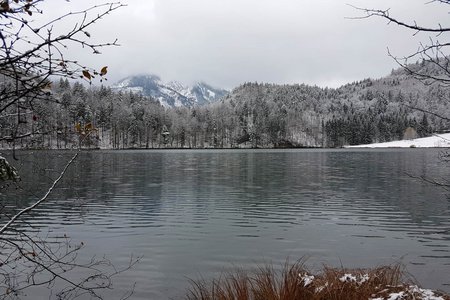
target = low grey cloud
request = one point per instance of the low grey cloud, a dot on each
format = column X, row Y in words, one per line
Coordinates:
column 228, row 42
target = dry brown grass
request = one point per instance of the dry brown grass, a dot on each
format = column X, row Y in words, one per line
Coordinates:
column 293, row 282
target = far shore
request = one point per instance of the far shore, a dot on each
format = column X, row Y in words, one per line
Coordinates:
column 434, row 141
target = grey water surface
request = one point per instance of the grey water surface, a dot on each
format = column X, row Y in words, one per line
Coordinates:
column 198, row 213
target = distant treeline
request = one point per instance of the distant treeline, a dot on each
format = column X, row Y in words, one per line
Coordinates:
column 253, row 115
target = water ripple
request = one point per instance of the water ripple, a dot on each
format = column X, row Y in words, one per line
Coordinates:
column 197, row 211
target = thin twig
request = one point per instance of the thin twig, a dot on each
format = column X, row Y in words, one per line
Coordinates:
column 37, row 203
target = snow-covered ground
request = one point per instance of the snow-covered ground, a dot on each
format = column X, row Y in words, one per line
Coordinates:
column 435, row 141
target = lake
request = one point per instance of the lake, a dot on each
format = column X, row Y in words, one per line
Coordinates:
column 192, row 213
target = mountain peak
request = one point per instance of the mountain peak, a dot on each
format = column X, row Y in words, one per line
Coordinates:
column 172, row 93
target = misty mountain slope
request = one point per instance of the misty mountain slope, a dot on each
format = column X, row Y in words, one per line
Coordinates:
column 170, row 94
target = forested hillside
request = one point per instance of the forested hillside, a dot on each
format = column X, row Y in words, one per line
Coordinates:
column 252, row 115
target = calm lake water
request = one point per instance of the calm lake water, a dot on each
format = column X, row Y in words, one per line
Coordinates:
column 198, row 213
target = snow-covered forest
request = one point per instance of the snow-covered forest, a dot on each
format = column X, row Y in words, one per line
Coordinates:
column 252, row 115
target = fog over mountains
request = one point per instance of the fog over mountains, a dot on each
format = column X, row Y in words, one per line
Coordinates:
column 170, row 94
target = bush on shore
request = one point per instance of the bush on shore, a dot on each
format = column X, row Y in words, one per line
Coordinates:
column 295, row 282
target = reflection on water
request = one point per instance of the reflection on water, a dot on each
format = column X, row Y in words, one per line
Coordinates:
column 192, row 212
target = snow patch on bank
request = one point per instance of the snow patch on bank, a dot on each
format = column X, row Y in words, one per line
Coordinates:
column 435, row 141
column 413, row 292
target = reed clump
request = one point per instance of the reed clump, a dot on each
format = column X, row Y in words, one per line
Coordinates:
column 296, row 282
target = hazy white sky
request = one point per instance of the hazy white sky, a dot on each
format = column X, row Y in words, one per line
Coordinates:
column 228, row 42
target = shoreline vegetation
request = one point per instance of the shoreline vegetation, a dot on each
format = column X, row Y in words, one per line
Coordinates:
column 296, row 282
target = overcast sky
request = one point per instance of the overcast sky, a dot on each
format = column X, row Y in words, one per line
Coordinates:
column 228, row 42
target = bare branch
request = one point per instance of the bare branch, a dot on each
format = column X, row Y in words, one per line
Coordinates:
column 433, row 52
column 441, row 184
column 37, row 203
column 368, row 13
column 427, row 112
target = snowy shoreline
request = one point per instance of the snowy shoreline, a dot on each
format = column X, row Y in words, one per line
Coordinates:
column 435, row 141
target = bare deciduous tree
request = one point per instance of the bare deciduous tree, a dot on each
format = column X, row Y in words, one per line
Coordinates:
column 435, row 53
column 31, row 55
